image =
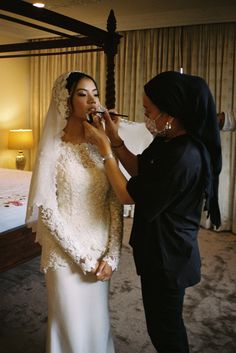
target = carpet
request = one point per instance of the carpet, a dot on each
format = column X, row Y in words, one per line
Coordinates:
column 209, row 311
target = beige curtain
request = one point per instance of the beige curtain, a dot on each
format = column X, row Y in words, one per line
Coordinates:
column 205, row 50
column 142, row 55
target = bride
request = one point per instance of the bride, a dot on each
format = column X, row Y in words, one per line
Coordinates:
column 79, row 222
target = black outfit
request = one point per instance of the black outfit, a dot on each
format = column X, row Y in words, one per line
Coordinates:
column 174, row 177
column 188, row 99
column 168, row 193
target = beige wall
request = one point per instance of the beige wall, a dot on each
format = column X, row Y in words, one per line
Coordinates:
column 14, row 102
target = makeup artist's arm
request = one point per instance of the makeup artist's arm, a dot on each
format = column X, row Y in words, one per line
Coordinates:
column 125, row 156
column 97, row 136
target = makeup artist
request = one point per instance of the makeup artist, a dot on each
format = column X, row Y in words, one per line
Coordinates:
column 174, row 178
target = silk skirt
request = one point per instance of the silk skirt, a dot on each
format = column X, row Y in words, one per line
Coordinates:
column 78, row 312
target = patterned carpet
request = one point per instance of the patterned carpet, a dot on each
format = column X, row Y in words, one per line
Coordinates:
column 210, row 307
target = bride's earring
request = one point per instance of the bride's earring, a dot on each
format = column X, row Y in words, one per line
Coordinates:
column 68, row 109
column 68, row 112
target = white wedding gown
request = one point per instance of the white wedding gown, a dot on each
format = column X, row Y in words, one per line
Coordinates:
column 86, row 226
column 78, row 314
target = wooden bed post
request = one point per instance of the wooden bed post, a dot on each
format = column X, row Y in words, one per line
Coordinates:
column 110, row 49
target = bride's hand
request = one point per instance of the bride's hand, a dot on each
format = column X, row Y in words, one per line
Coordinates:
column 95, row 134
column 104, row 271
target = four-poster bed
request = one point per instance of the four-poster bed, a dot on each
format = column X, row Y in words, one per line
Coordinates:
column 17, row 244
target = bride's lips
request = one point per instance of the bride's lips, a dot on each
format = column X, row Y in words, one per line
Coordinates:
column 99, row 113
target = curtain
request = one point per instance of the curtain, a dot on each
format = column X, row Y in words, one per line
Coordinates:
column 205, row 50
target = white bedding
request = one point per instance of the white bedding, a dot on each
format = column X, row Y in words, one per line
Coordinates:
column 14, row 189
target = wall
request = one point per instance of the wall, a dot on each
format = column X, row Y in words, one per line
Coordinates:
column 14, row 102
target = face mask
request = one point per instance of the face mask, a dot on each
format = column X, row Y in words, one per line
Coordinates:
column 151, row 124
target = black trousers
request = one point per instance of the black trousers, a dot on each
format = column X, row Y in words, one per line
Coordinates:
column 163, row 307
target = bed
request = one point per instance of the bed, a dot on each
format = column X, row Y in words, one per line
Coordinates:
column 17, row 242
column 14, row 189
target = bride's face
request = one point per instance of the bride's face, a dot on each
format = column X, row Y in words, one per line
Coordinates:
column 85, row 99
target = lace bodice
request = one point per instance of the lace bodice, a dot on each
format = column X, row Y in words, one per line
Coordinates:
column 87, row 224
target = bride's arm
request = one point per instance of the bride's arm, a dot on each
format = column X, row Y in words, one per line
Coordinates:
column 96, row 135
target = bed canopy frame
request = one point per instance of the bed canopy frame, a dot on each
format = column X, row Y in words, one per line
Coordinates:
column 18, row 245
column 71, row 33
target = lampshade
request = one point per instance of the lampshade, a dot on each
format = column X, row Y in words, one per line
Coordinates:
column 20, row 139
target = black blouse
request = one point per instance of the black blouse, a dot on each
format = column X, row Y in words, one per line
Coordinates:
column 168, row 195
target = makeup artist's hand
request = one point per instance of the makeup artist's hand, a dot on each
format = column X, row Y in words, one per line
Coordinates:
column 112, row 127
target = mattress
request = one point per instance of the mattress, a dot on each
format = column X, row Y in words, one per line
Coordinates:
column 14, row 190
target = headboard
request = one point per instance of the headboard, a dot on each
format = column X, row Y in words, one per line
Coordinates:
column 83, row 34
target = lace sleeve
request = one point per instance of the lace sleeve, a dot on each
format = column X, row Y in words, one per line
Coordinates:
column 72, row 247
column 112, row 255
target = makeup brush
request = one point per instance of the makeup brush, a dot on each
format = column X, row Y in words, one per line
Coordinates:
column 90, row 116
column 112, row 113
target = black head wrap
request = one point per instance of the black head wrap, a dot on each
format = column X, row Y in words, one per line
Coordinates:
column 189, row 99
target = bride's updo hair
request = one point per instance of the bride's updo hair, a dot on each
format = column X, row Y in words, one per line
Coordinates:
column 73, row 78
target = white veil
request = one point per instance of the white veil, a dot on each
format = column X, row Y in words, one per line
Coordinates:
column 43, row 187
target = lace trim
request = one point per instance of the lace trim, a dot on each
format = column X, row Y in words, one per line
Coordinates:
column 63, row 240
column 85, row 153
column 60, row 94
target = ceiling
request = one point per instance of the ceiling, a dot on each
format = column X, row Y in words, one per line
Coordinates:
column 131, row 14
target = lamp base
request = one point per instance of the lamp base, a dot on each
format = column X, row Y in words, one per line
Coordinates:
column 20, row 161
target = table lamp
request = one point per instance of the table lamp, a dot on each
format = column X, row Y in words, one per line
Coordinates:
column 20, row 140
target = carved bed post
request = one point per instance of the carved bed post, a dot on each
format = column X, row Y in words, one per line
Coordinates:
column 110, row 49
